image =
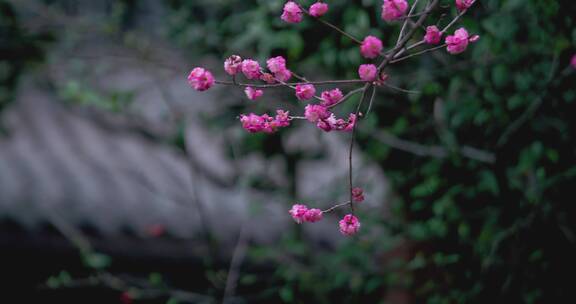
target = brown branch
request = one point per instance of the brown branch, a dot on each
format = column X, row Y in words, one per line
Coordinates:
column 406, row 38
column 265, row 86
column 235, row 263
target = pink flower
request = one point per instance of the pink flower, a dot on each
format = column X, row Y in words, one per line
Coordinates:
column 349, row 225
column 371, row 47
column 276, row 64
column 393, row 9
column 464, row 4
column 283, row 75
column 305, row 91
column 253, row 123
column 458, row 42
column 350, row 123
column 331, row 123
column 331, row 97
column 282, row 119
column 252, row 93
column 313, row 215
column 233, row 65
column 298, row 213
column 200, row 79
column 433, row 35
column 268, row 78
column 318, row 9
column 315, row 112
column 328, row 123
column 573, row 61
column 292, row 12
column 357, row 195
column 265, row 123
column 251, row 69
column 368, row 72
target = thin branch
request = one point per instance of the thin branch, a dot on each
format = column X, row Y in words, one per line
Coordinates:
column 418, row 53
column 264, row 86
column 443, row 31
column 351, row 149
column 371, row 101
column 332, row 26
column 447, row 27
column 406, row 21
column 339, row 30
column 393, row 87
column 404, row 40
column 336, row 207
column 347, row 96
column 235, row 263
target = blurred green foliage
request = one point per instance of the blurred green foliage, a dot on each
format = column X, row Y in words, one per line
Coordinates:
column 477, row 230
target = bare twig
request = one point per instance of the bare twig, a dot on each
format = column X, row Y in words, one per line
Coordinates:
column 391, row 54
column 235, row 263
column 280, row 84
column 418, row 53
column 336, row 207
column 406, row 21
column 330, row 25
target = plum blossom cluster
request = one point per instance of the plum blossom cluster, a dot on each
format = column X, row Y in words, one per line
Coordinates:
column 264, row 123
column 326, row 120
column 319, row 106
column 349, row 224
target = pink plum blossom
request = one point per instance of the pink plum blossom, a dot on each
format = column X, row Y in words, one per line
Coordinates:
column 433, row 35
column 573, row 61
column 283, row 75
column 331, row 97
column 393, row 9
column 458, row 42
column 371, row 47
column 357, row 195
column 349, row 225
column 268, row 78
column 282, row 119
column 292, row 12
column 298, row 213
column 464, row 4
column 200, row 79
column 305, row 91
column 252, row 93
column 233, row 65
column 276, row 64
column 331, row 123
column 313, row 215
column 254, row 123
column 367, row 72
column 251, row 69
column 315, row 112
column 318, row 9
